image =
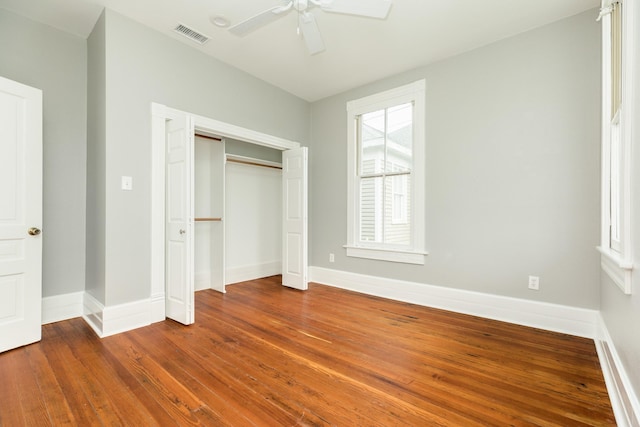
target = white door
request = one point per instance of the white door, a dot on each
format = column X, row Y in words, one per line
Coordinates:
column 20, row 214
column 179, row 241
column 294, row 211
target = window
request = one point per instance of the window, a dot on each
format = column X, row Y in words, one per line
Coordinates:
column 617, row 121
column 386, row 175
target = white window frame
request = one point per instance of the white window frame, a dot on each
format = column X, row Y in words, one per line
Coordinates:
column 616, row 248
column 414, row 253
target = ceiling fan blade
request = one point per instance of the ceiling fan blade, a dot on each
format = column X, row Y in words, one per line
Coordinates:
column 311, row 33
column 257, row 21
column 369, row 8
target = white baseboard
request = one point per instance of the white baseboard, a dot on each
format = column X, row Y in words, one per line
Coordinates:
column 626, row 406
column 252, row 272
column 158, row 313
column 61, row 307
column 111, row 320
column 553, row 317
column 92, row 312
column 125, row 317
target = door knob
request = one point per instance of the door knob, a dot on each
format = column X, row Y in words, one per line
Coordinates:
column 34, row 231
column 181, row 231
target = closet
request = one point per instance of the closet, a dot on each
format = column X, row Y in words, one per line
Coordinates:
column 242, row 222
column 238, row 212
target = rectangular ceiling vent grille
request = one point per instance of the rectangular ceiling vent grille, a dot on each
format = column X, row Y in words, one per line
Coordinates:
column 191, row 34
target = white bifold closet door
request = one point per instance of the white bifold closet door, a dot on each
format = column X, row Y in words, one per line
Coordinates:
column 179, row 300
column 294, row 212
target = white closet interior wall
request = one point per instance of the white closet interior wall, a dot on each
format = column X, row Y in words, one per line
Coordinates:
column 209, row 256
column 253, row 222
column 252, row 218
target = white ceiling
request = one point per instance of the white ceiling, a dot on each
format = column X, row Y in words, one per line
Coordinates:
column 358, row 50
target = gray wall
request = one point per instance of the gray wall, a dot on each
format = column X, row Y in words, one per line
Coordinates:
column 512, row 168
column 621, row 313
column 43, row 57
column 142, row 66
column 96, row 160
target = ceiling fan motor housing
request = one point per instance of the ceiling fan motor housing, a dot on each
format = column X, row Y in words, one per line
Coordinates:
column 300, row 5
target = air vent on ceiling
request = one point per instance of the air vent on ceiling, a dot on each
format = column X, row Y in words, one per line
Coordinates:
column 191, row 34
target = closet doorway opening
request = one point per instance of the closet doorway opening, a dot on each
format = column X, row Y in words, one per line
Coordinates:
column 238, row 212
column 177, row 218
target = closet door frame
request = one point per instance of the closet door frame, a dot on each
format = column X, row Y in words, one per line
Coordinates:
column 160, row 115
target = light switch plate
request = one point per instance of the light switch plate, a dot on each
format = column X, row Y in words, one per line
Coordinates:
column 127, row 183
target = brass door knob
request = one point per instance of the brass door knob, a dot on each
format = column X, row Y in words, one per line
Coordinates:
column 34, row 231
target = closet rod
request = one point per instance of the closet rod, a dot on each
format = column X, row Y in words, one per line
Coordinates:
column 208, row 137
column 248, row 162
column 207, row 219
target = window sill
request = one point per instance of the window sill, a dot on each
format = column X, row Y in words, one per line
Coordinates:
column 406, row 257
column 618, row 269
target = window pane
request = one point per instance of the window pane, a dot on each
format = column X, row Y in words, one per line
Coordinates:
column 371, row 132
column 371, row 210
column 397, row 220
column 616, row 58
column 400, row 137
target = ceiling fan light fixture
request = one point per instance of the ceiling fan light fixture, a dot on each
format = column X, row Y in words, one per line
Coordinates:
column 300, row 5
column 306, row 21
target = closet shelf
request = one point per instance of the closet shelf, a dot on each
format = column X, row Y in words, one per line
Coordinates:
column 252, row 161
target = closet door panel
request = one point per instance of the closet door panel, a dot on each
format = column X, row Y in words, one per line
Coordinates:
column 179, row 300
column 295, row 235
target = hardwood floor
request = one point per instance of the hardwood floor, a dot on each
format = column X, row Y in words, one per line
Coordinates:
column 266, row 355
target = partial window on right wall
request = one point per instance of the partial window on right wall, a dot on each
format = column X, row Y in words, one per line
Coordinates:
column 617, row 121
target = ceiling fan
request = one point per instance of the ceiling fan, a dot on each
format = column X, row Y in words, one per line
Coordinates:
column 306, row 21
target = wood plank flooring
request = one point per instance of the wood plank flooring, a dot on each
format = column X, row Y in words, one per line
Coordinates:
column 264, row 355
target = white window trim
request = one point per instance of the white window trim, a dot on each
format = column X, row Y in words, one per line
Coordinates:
column 414, row 92
column 406, row 257
column 618, row 262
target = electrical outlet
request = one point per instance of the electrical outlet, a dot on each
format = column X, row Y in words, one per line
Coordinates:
column 332, row 258
column 534, row 283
